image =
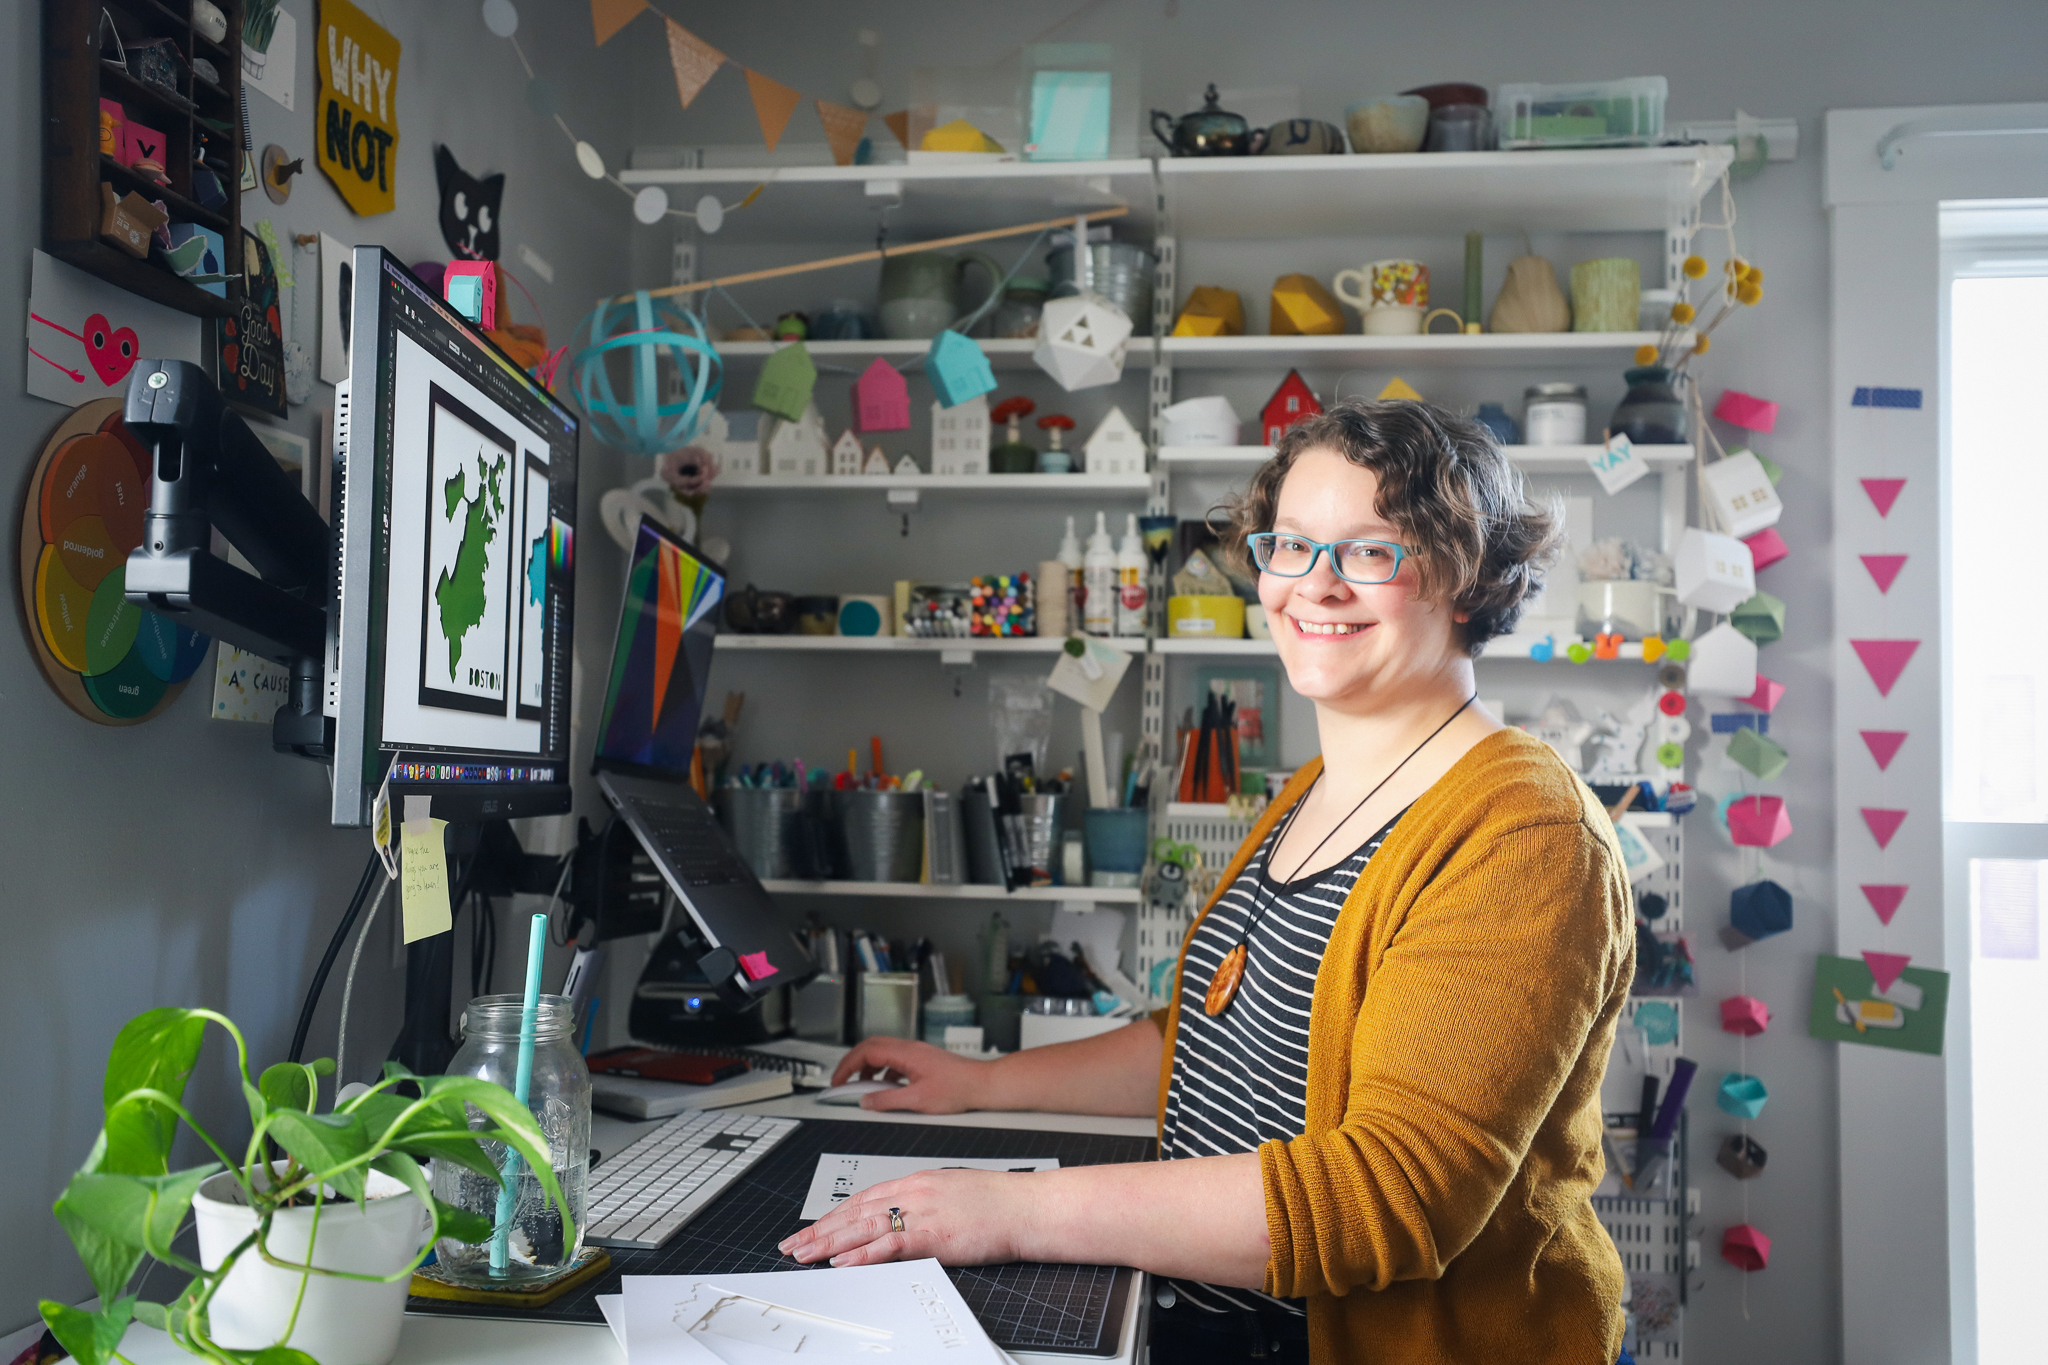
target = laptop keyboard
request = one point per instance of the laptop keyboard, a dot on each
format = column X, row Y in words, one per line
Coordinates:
column 692, row 843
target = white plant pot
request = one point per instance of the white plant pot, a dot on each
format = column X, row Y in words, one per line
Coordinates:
column 341, row 1322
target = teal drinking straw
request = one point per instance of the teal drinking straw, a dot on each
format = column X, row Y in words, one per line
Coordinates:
column 529, row 1020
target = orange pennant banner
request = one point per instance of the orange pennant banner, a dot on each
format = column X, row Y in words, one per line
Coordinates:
column 843, row 129
column 609, row 16
column 774, row 102
column 899, row 124
column 695, row 61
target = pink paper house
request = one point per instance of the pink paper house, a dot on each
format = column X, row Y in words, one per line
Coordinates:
column 1767, row 547
column 1745, row 1014
column 1739, row 409
column 881, row 398
column 1759, row 821
column 1745, row 1247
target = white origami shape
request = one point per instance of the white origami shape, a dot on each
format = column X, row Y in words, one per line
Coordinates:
column 846, row 456
column 1722, row 664
column 798, row 448
column 960, row 436
column 1115, row 447
column 1715, row 573
column 1741, row 494
column 877, row 462
column 1082, row 340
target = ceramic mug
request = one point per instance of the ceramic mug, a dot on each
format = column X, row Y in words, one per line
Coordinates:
column 921, row 292
column 1391, row 296
column 1304, row 137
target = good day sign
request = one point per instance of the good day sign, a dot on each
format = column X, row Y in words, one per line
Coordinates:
column 358, row 129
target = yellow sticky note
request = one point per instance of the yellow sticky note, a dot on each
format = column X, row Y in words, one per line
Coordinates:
column 423, row 879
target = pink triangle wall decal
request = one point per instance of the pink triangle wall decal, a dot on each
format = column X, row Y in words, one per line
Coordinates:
column 1883, row 745
column 1885, row 967
column 1884, row 900
column 1884, row 660
column 1883, row 493
column 1883, row 823
column 1884, row 569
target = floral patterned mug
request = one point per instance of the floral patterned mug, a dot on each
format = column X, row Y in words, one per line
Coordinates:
column 1391, row 296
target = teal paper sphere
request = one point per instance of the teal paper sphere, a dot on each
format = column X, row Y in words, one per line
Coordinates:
column 628, row 340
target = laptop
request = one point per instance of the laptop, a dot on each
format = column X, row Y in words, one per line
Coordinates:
column 654, row 695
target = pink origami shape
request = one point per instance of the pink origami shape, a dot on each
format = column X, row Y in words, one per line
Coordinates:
column 1885, row 967
column 1766, row 696
column 881, row 398
column 1767, row 547
column 1745, row 1247
column 1884, row 660
column 1883, row 745
column 1739, row 409
column 1884, row 899
column 1759, row 821
column 757, row 966
column 1883, row 823
column 1883, row 493
column 1884, row 569
column 1745, row 1014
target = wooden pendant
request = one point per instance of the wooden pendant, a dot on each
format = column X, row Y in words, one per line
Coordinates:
column 1223, row 985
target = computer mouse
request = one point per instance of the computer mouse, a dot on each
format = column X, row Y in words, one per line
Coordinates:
column 850, row 1093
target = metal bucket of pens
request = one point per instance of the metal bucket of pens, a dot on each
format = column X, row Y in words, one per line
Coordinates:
column 882, row 834
column 766, row 825
column 1031, row 837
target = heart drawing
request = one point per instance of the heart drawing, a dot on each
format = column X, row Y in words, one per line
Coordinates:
column 112, row 351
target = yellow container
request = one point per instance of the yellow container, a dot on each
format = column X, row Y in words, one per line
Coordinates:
column 1205, row 618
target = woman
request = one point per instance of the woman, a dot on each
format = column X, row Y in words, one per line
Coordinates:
column 1378, row 1083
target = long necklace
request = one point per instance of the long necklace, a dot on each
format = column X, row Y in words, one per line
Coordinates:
column 1230, row 972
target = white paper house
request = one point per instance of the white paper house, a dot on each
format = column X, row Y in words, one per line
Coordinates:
column 1115, row 447
column 734, row 443
column 960, row 436
column 846, row 456
column 1741, row 495
column 877, row 462
column 798, row 448
column 1723, row 663
column 905, row 465
column 1714, row 572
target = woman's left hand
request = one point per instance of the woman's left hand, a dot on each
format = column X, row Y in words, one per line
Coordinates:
column 960, row 1217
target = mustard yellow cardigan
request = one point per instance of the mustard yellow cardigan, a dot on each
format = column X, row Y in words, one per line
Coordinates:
column 1437, row 1208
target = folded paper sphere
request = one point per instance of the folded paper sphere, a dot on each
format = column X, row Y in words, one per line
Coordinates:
column 1760, row 910
column 1082, row 340
column 1761, row 618
column 1745, row 1014
column 1713, row 572
column 1723, row 663
column 1745, row 1248
column 1759, row 821
column 1302, row 307
column 1742, row 1157
column 1767, row 547
column 958, row 369
column 1758, row 752
column 1741, row 1095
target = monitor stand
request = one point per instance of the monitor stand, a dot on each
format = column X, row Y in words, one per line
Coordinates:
column 424, row 1045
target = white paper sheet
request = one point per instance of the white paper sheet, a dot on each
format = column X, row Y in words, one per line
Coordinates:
column 840, row 1176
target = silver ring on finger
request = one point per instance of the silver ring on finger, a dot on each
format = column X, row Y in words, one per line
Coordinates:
column 895, row 1220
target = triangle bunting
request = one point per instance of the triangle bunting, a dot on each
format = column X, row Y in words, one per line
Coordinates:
column 1883, row 745
column 1883, row 823
column 899, row 124
column 694, row 61
column 1885, row 967
column 1883, row 493
column 1884, row 660
column 607, row 17
column 1884, row 569
column 774, row 102
column 1884, row 900
column 843, row 129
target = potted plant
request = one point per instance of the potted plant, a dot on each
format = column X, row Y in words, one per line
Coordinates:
column 309, row 1235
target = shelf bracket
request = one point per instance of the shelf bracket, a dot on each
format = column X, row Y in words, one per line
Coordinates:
column 903, row 501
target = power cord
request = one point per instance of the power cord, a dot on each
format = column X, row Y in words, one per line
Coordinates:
column 348, row 985
column 355, row 907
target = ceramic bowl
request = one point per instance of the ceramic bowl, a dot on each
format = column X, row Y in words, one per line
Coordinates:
column 1392, row 123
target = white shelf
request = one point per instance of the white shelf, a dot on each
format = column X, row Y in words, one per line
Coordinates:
column 966, row 485
column 1596, row 190
column 1535, row 459
column 1447, row 350
column 1004, row 355
column 910, row 644
column 926, row 891
column 1512, row 651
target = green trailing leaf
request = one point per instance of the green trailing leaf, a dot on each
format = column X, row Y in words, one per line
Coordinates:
column 171, row 1199
column 516, row 1128
column 324, row 1142
column 465, row 1152
column 460, row 1224
column 91, row 1338
column 282, row 1355
column 157, row 1315
column 104, row 1216
column 155, row 1050
column 322, row 1066
column 287, row 1086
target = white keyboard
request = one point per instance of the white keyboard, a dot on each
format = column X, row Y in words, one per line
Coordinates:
column 640, row 1197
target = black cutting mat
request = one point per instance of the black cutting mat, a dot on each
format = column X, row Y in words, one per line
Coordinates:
column 1024, row 1307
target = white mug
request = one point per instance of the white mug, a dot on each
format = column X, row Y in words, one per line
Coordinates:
column 1391, row 296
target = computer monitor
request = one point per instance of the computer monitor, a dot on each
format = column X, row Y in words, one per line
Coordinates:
column 450, row 646
column 661, row 659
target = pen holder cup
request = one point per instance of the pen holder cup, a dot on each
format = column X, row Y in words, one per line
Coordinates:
column 1116, row 840
column 883, row 836
column 1032, row 836
column 766, row 825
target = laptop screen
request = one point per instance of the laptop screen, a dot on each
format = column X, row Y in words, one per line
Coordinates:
column 661, row 659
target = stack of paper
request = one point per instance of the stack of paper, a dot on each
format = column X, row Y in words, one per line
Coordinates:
column 908, row 1311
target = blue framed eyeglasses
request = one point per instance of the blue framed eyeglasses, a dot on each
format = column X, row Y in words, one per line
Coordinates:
column 1355, row 561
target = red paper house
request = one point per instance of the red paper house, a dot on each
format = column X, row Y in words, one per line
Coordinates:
column 881, row 399
column 1291, row 402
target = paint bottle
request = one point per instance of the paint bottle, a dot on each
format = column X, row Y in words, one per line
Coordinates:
column 1070, row 555
column 1130, row 581
column 1098, row 578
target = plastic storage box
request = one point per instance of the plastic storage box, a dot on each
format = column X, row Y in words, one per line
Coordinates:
column 1620, row 113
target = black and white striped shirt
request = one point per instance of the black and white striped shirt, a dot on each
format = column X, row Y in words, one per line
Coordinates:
column 1241, row 1079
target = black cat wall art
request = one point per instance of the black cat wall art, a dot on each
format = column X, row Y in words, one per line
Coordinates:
column 469, row 209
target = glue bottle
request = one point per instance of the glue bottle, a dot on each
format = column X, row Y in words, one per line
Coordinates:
column 1070, row 555
column 1130, row 580
column 1098, row 575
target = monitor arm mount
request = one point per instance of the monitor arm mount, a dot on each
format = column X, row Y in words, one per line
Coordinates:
column 208, row 471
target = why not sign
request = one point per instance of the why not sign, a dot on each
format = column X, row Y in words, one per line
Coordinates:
column 357, row 134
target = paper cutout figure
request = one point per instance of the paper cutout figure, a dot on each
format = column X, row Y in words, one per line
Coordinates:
column 881, row 398
column 1723, row 663
column 1745, row 1014
column 1082, row 340
column 469, row 208
column 1759, row 821
column 1713, row 572
column 1848, row 1007
column 1884, row 569
column 1759, row 910
column 1883, row 493
column 1885, row 967
column 1884, row 660
column 1763, row 756
column 1767, row 694
column 1745, row 1248
column 1761, row 618
column 1883, row 823
column 1739, row 409
column 1302, row 307
column 1741, row 1095
column 1875, row 397
column 693, row 60
column 958, row 370
column 1742, row 1157
column 844, row 126
column 787, row 379
column 1883, row 745
column 1767, row 547
column 774, row 102
column 356, row 137
column 607, row 17
column 1884, row 899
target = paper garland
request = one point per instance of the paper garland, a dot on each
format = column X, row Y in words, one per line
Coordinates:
column 844, row 127
column 1884, row 900
column 1883, row 745
column 694, row 61
column 607, row 17
column 1883, row 823
column 1884, row 569
column 774, row 102
column 1883, row 493
column 1884, row 660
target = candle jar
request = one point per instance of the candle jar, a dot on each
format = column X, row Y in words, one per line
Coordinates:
column 558, row 1093
column 1554, row 414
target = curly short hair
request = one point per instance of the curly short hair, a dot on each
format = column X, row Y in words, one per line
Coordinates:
column 1461, row 509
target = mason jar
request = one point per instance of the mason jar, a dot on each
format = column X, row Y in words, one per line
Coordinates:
column 558, row 1093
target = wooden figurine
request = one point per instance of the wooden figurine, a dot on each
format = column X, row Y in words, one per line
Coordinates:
column 877, row 463
column 1302, row 307
column 960, row 436
column 1114, row 447
column 1291, row 402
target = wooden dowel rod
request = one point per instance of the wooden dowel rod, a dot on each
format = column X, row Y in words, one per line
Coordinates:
column 908, row 249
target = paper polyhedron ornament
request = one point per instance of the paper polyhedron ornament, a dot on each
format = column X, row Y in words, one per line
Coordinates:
column 1082, row 340
column 1759, row 821
column 787, row 379
column 1767, row 695
column 1211, row 312
column 881, row 398
column 958, row 369
column 1760, row 910
column 1742, row 1096
column 1741, row 495
column 1745, row 1014
column 1767, row 547
column 1302, row 307
column 1714, row 572
column 1745, row 1248
column 1757, row 752
column 1761, row 618
column 1742, row 1157
column 1723, row 663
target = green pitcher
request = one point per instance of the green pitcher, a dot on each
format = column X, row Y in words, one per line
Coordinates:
column 921, row 291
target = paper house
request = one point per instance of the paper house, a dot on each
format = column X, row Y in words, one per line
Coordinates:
column 960, row 437
column 1082, row 340
column 1742, row 1157
column 1761, row 618
column 787, row 378
column 1291, row 402
column 1714, row 572
column 846, row 453
column 1211, row 312
column 1759, row 821
column 1722, row 663
column 876, row 462
column 1759, row 910
column 797, row 449
column 881, row 398
column 1767, row 547
column 1739, row 409
column 1745, row 1014
column 734, row 442
column 1742, row 1096
column 1115, row 447
column 1302, row 307
column 1205, row 421
column 471, row 288
column 1766, row 696
column 1761, row 755
column 1745, row 1248
column 1740, row 494
column 904, row 464
column 958, row 369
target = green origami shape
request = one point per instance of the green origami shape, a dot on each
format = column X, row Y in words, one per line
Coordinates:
column 1760, row 754
column 787, row 379
column 1761, row 618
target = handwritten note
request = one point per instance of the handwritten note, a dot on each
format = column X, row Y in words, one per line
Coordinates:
column 423, row 872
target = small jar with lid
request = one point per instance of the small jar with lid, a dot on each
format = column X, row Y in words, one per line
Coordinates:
column 1016, row 317
column 1554, row 414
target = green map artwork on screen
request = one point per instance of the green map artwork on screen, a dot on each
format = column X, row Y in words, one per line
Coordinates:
column 471, row 579
column 462, row 595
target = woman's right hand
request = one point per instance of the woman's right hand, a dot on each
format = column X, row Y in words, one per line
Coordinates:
column 940, row 1082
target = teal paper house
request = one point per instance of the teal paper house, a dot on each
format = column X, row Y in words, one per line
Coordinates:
column 958, row 369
